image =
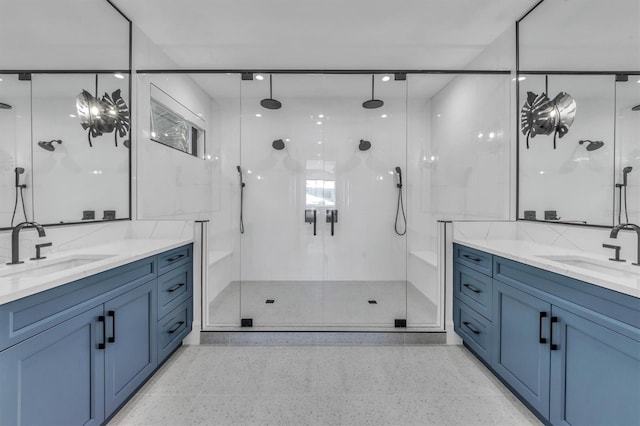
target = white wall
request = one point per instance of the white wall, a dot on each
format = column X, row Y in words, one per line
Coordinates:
column 63, row 34
column 278, row 244
column 581, row 35
column 169, row 184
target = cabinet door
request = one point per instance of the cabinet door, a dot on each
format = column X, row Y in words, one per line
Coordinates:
column 131, row 343
column 519, row 357
column 55, row 377
column 595, row 371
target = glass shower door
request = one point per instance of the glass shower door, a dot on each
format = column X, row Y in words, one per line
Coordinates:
column 365, row 271
column 282, row 247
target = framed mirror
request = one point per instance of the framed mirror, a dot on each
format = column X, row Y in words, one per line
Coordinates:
column 585, row 169
column 64, row 117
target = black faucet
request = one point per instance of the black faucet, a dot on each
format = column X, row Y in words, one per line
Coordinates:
column 616, row 229
column 15, row 241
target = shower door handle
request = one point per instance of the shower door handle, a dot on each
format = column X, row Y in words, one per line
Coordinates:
column 332, row 216
column 311, row 216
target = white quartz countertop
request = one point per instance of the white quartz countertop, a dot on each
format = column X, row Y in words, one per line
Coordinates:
column 117, row 254
column 529, row 252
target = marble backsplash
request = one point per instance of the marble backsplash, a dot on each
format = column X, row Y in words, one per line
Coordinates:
column 78, row 236
column 588, row 239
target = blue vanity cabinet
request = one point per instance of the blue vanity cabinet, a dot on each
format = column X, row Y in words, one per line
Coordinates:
column 472, row 302
column 521, row 345
column 130, row 354
column 569, row 349
column 595, row 371
column 56, row 377
column 72, row 355
column 175, row 300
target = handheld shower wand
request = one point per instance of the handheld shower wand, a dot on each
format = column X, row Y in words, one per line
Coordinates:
column 399, row 172
column 400, row 206
column 625, row 172
column 242, row 184
column 19, row 194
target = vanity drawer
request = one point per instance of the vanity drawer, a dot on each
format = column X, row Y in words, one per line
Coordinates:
column 474, row 329
column 175, row 258
column 174, row 287
column 474, row 259
column 173, row 328
column 474, row 289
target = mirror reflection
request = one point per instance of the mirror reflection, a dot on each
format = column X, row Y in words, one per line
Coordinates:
column 56, row 165
column 588, row 176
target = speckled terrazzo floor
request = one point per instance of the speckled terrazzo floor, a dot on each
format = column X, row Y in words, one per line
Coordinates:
column 323, row 385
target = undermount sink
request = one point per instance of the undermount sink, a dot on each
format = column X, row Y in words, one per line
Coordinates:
column 619, row 269
column 50, row 266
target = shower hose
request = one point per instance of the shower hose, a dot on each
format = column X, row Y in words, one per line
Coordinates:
column 400, row 229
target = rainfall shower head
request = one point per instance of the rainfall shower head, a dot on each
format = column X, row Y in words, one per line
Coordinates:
column 373, row 102
column 5, row 106
column 48, row 145
column 592, row 145
column 278, row 145
column 270, row 103
column 364, row 145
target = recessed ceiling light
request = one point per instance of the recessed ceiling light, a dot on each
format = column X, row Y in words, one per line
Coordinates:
column 72, row 115
column 249, row 171
column 318, row 122
column 438, row 115
column 287, row 140
column 319, row 142
column 480, row 135
column 386, row 78
column 118, row 75
column 258, row 115
column 492, row 135
column 320, row 115
column 259, row 77
column 638, row 81
column 383, row 116
column 541, row 172
column 1, row 80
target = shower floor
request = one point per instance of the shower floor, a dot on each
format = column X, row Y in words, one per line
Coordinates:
column 322, row 304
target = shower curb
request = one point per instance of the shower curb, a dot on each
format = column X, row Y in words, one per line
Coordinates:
column 314, row 338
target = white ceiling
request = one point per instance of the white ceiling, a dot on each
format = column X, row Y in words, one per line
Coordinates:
column 329, row 34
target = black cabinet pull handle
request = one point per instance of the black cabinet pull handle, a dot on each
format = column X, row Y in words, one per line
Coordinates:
column 472, row 288
column 176, row 327
column 112, row 314
column 473, row 329
column 174, row 258
column 541, row 339
column 104, row 332
column 475, row 259
column 554, row 320
column 174, row 288
column 315, row 221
